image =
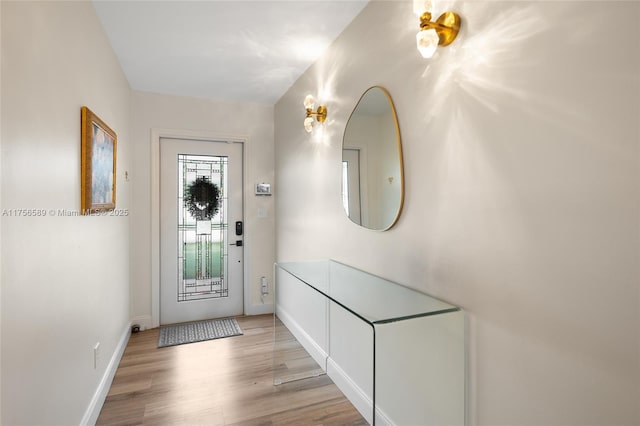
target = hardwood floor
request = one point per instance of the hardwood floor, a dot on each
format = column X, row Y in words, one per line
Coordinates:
column 218, row 382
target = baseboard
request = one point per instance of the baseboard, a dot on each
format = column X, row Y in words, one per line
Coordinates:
column 144, row 321
column 261, row 309
column 355, row 394
column 316, row 352
column 93, row 411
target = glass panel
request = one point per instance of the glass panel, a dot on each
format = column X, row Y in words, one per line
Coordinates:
column 425, row 357
column 372, row 298
column 291, row 361
column 202, row 227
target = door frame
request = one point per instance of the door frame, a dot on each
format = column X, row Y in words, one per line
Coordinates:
column 156, row 135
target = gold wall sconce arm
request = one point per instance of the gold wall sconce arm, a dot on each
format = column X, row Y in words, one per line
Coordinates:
column 447, row 26
column 441, row 32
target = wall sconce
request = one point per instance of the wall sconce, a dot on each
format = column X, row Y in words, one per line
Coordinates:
column 320, row 114
column 433, row 34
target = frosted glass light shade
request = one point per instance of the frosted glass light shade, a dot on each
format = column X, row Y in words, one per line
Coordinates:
column 422, row 6
column 309, row 102
column 427, row 42
column 308, row 124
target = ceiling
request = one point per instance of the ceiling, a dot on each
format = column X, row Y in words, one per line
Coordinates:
column 244, row 51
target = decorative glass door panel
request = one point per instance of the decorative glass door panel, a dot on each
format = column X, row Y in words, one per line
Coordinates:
column 202, row 228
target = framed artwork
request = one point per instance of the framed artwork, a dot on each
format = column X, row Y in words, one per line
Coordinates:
column 98, row 164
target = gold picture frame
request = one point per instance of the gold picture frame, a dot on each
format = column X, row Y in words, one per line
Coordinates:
column 98, row 164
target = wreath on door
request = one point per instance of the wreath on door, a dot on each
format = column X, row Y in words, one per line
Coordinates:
column 202, row 198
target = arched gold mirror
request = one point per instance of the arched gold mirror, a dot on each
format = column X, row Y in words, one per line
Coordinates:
column 372, row 170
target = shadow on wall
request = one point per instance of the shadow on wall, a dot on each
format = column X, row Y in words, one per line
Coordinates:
column 478, row 64
column 496, row 54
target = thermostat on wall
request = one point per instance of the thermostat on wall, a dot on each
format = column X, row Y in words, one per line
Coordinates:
column 263, row 188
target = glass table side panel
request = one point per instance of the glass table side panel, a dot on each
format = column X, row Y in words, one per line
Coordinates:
column 372, row 298
column 300, row 330
column 291, row 361
column 425, row 358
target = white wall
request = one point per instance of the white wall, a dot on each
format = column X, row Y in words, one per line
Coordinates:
column 522, row 194
column 253, row 121
column 65, row 280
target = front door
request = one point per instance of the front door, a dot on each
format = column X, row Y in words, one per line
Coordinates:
column 201, row 253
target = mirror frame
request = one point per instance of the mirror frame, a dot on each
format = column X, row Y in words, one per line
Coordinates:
column 400, row 154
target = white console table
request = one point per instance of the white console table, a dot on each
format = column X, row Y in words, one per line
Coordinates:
column 397, row 354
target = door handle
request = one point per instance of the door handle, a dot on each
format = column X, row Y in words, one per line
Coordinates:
column 238, row 243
